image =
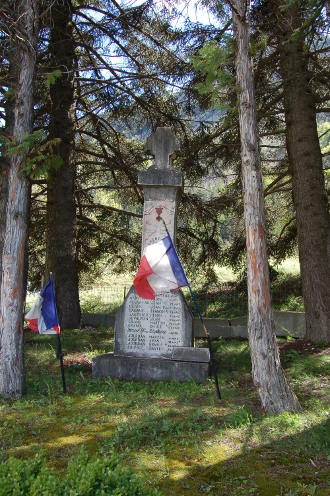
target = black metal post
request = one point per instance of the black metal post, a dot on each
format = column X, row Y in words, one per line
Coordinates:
column 212, row 361
column 60, row 356
column 59, row 353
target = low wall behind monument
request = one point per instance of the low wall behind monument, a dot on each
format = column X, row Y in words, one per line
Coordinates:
column 287, row 324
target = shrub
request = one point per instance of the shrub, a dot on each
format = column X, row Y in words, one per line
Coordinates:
column 85, row 476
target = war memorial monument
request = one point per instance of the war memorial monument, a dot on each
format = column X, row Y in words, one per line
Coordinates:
column 154, row 338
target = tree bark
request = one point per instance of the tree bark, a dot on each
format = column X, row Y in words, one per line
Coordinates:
column 4, row 167
column 309, row 194
column 268, row 375
column 16, row 218
column 61, row 210
column 4, row 162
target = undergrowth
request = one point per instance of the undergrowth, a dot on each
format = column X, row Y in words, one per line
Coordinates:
column 85, row 475
column 176, row 436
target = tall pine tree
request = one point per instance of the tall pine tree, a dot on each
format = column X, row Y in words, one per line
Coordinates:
column 268, row 375
column 24, row 44
column 309, row 195
column 61, row 208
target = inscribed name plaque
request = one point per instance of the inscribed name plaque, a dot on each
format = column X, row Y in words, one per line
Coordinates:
column 152, row 327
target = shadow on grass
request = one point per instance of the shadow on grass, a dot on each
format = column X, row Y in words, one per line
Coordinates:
column 284, row 467
column 196, row 459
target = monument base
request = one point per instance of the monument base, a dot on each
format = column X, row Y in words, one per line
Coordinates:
column 149, row 369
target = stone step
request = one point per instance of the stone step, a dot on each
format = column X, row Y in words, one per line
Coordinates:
column 189, row 354
column 149, row 369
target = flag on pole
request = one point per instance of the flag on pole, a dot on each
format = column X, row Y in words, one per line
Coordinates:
column 160, row 270
column 42, row 317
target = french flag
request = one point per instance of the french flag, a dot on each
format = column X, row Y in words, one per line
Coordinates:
column 160, row 270
column 42, row 317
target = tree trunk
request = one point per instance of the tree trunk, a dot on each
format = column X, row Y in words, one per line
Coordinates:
column 309, row 195
column 16, row 219
column 268, row 375
column 3, row 205
column 4, row 162
column 61, row 211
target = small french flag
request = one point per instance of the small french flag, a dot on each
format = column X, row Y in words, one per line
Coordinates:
column 42, row 317
column 160, row 270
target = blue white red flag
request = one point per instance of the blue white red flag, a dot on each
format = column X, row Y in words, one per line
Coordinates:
column 160, row 270
column 42, row 317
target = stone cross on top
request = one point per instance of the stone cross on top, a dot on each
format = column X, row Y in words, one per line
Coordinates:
column 162, row 144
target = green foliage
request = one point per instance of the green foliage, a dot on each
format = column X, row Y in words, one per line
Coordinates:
column 293, row 304
column 26, row 477
column 287, row 4
column 259, row 45
column 312, row 12
column 300, row 489
column 101, row 476
column 324, row 136
column 84, row 476
column 40, row 158
column 240, row 418
column 212, row 62
column 52, row 77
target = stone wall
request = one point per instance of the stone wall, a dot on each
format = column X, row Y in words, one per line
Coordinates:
column 287, row 324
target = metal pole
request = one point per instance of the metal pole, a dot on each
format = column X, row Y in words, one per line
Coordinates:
column 60, row 355
column 212, row 362
column 59, row 344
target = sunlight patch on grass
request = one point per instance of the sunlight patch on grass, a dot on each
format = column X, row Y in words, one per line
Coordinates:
column 67, row 440
column 216, row 453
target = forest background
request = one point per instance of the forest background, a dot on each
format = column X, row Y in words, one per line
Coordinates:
column 105, row 75
column 82, row 86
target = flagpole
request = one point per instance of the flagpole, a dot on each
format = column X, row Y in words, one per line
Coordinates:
column 59, row 344
column 212, row 361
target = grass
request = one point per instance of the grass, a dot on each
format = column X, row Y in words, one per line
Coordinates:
column 290, row 266
column 176, row 436
column 106, row 294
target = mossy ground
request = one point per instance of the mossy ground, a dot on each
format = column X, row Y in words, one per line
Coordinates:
column 178, row 436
